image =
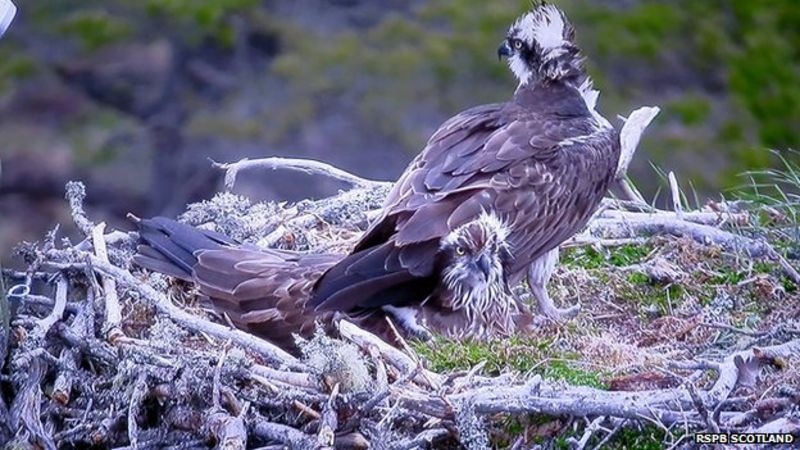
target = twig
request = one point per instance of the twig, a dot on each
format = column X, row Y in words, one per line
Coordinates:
column 113, row 319
column 215, row 386
column 675, row 190
column 788, row 269
column 658, row 226
column 308, row 166
column 422, row 440
column 134, row 408
column 600, row 445
column 589, row 432
column 75, row 195
column 701, row 407
column 282, row 433
column 392, row 355
column 329, row 421
column 45, row 324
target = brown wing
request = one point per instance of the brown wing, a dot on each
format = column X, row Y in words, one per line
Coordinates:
column 543, row 173
column 262, row 291
column 382, row 271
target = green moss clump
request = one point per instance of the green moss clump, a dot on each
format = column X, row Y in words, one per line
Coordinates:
column 96, row 28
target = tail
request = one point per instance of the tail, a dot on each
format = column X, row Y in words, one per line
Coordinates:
column 171, row 247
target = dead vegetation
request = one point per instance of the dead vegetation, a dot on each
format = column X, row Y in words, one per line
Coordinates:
column 686, row 326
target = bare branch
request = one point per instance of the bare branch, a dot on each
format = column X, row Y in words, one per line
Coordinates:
column 111, row 328
column 76, row 194
column 308, row 166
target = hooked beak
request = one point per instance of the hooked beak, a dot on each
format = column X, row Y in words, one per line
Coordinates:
column 485, row 266
column 504, row 50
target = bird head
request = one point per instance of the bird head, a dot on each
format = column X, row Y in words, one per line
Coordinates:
column 540, row 46
column 474, row 256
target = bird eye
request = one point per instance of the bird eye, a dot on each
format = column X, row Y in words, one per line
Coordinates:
column 460, row 251
column 517, row 44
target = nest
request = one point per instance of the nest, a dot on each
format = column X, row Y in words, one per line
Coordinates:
column 104, row 355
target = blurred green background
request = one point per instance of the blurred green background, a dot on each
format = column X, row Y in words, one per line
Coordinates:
column 134, row 96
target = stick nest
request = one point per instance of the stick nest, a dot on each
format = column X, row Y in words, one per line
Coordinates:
column 686, row 327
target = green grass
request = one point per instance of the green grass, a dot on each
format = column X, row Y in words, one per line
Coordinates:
column 520, row 354
column 589, row 258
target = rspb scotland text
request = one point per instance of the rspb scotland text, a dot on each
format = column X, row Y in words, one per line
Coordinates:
column 745, row 438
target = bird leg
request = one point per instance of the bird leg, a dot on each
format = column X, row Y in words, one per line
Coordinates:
column 539, row 274
column 549, row 309
column 406, row 320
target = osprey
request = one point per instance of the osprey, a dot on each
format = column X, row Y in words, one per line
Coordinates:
column 541, row 162
column 266, row 292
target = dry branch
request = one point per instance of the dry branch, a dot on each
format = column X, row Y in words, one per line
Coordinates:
column 308, row 166
column 113, row 313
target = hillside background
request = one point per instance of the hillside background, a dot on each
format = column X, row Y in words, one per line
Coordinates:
column 134, row 96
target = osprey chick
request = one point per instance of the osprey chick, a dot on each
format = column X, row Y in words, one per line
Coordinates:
column 266, row 292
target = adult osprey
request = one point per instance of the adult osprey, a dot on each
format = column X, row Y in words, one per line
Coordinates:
column 266, row 292
column 541, row 161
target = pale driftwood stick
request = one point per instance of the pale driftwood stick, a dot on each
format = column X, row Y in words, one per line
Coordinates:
column 699, row 217
column 62, row 386
column 590, row 430
column 631, row 134
column 308, row 166
column 788, row 269
column 282, row 433
column 25, row 412
column 629, row 137
column 657, row 225
column 675, row 191
column 329, row 420
column 191, row 321
column 629, row 191
column 41, row 300
column 422, row 440
column 112, row 238
column 296, row 379
column 229, row 431
column 397, row 358
column 44, row 325
column 111, row 327
column 98, row 350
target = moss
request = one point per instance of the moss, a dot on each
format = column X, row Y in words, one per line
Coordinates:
column 590, row 258
column 563, row 370
column 648, row 438
column 691, row 110
column 96, row 28
column 520, row 354
column 638, row 278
